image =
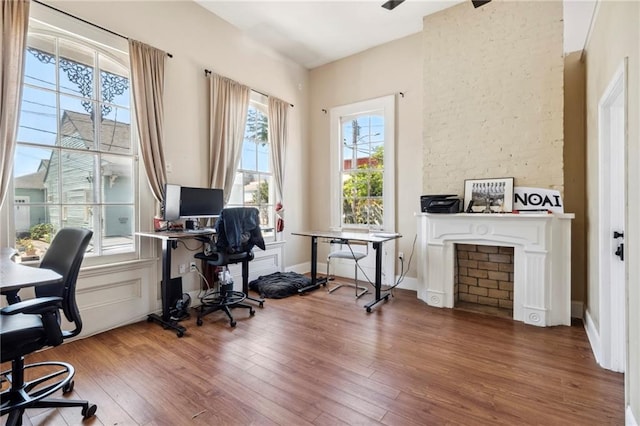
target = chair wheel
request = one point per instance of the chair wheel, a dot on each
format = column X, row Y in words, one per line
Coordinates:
column 261, row 304
column 368, row 309
column 199, row 321
column 252, row 312
column 180, row 333
column 89, row 411
column 68, row 387
column 232, row 323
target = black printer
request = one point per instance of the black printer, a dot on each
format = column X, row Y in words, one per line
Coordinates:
column 440, row 203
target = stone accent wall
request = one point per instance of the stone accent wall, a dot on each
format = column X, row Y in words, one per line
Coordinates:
column 485, row 275
column 493, row 95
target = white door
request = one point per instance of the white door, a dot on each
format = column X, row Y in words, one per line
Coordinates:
column 612, row 127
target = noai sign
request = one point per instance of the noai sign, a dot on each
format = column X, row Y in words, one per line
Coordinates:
column 537, row 199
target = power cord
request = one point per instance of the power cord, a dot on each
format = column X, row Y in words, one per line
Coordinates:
column 403, row 272
column 199, row 248
column 205, row 295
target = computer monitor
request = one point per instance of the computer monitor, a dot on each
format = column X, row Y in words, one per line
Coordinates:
column 200, row 202
column 171, row 204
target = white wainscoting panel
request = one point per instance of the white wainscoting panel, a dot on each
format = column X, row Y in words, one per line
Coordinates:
column 265, row 262
column 111, row 296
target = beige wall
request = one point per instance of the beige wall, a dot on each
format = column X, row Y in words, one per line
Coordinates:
column 388, row 69
column 616, row 35
column 198, row 40
column 493, row 103
column 575, row 196
column 612, row 40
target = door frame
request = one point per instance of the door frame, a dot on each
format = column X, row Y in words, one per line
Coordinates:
column 612, row 329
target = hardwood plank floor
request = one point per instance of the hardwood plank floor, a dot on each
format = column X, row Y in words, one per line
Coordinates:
column 320, row 359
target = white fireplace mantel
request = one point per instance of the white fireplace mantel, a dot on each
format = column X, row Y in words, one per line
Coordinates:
column 542, row 259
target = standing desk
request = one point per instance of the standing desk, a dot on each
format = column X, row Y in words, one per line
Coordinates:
column 14, row 276
column 169, row 242
column 375, row 238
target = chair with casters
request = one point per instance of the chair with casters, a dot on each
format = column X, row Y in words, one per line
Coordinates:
column 237, row 232
column 349, row 254
column 30, row 325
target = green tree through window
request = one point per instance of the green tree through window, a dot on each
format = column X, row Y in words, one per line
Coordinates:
column 362, row 192
column 362, row 170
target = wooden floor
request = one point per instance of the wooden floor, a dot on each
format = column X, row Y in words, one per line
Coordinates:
column 321, row 359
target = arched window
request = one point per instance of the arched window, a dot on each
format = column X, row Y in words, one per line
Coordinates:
column 75, row 161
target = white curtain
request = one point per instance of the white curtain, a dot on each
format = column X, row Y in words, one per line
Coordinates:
column 228, row 105
column 147, row 81
column 14, row 18
column 278, row 110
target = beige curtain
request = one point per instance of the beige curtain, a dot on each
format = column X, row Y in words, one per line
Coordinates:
column 147, row 81
column 14, row 18
column 278, row 110
column 228, row 105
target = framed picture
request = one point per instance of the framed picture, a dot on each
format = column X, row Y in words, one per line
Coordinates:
column 493, row 195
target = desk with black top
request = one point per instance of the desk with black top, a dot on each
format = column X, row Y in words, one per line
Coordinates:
column 14, row 276
column 169, row 242
column 375, row 238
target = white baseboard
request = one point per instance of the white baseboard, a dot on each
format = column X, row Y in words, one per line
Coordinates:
column 301, row 268
column 629, row 419
column 408, row 283
column 593, row 335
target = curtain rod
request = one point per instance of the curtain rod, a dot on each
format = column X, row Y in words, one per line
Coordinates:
column 207, row 72
column 87, row 22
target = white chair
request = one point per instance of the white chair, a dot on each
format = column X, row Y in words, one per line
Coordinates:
column 350, row 254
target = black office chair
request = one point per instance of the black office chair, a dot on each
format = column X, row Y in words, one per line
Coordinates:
column 30, row 325
column 237, row 232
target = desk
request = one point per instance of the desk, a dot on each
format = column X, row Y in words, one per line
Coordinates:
column 14, row 276
column 169, row 242
column 376, row 240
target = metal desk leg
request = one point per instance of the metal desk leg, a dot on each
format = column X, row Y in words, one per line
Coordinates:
column 315, row 281
column 165, row 320
column 378, row 248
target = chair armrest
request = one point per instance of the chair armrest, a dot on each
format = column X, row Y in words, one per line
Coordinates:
column 38, row 305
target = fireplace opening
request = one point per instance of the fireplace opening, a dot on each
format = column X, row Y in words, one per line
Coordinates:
column 483, row 279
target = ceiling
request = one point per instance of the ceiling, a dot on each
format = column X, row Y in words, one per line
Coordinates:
column 313, row 33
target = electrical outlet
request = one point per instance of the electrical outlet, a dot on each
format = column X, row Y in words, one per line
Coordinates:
column 193, row 267
column 183, row 268
column 401, row 255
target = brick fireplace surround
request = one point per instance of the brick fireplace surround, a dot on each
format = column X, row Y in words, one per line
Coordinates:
column 484, row 276
column 542, row 260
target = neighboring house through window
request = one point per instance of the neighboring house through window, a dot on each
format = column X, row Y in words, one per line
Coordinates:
column 75, row 163
column 253, row 185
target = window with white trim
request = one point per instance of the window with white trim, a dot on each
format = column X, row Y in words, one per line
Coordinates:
column 75, row 162
column 253, row 185
column 362, row 157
